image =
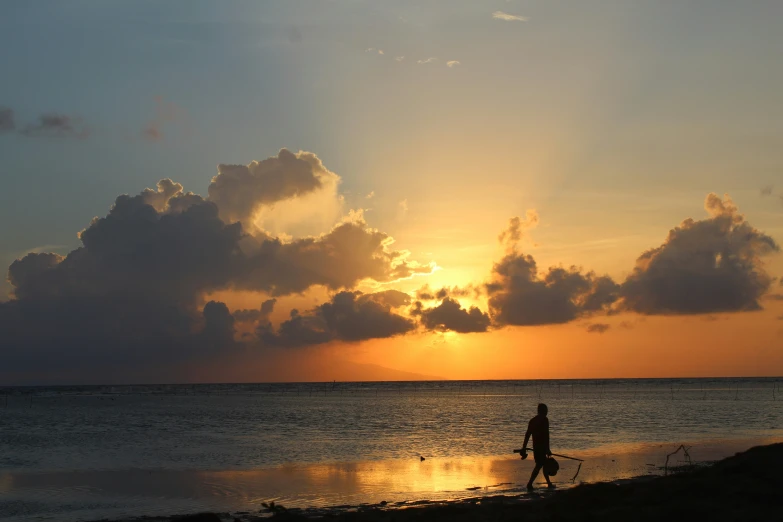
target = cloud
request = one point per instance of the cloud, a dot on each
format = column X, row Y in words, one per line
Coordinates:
column 260, row 315
column 767, row 191
column 426, row 60
column 449, row 315
column 389, row 298
column 6, row 120
column 240, row 191
column 519, row 295
column 56, row 126
column 165, row 112
column 130, row 297
column 452, row 63
column 349, row 316
column 345, row 256
column 517, row 229
column 500, row 15
column 402, row 209
column 706, row 266
column 425, row 293
column 598, row 328
column 399, row 58
column 370, row 195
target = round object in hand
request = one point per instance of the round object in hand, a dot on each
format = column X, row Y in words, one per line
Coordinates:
column 551, row 467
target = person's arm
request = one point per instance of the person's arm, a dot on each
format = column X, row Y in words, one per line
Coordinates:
column 527, row 438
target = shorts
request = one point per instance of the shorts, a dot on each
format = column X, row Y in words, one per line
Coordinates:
column 539, row 456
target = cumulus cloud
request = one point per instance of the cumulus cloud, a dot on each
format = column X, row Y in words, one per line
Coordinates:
column 452, row 63
column 240, row 191
column 711, row 265
column 399, row 58
column 388, row 298
column 349, row 316
column 519, row 295
column 500, row 15
column 131, row 294
column 598, row 328
column 426, row 60
column 7, row 123
column 450, row 315
column 259, row 315
column 56, row 126
column 342, row 258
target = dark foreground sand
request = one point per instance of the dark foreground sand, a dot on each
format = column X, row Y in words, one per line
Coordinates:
column 747, row 486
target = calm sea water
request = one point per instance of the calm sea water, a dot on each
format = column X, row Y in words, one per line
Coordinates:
column 78, row 433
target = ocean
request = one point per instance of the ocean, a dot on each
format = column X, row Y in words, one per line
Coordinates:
column 92, row 452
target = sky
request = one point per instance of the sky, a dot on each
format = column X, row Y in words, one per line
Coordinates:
column 344, row 189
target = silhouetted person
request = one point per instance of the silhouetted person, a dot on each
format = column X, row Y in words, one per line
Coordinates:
column 538, row 427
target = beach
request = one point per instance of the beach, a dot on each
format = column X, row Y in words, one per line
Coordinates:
column 745, row 486
column 118, row 453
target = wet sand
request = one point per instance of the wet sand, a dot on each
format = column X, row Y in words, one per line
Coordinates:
column 317, row 488
column 746, row 486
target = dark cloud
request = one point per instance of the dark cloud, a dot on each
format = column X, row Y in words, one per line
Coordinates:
column 56, row 126
column 339, row 259
column 518, row 295
column 218, row 324
column 6, row 120
column 767, row 191
column 425, row 293
column 240, row 190
column 389, row 298
column 260, row 315
column 449, row 315
column 706, row 266
column 598, row 328
column 349, row 316
column 131, row 295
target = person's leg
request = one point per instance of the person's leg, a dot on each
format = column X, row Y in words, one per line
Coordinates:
column 533, row 475
column 548, row 482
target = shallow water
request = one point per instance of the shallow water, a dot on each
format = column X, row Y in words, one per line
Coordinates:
column 81, row 453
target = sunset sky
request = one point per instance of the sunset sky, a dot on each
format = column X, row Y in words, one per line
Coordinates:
column 377, row 190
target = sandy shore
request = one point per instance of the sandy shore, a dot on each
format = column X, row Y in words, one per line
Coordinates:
column 746, row 486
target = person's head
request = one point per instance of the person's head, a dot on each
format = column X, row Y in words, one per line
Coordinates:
column 542, row 409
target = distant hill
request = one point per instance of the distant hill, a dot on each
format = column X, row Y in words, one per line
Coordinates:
column 350, row 371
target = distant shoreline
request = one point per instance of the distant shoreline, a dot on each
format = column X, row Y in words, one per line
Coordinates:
column 745, row 486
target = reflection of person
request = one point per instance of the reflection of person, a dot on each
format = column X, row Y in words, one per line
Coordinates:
column 538, row 427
